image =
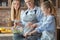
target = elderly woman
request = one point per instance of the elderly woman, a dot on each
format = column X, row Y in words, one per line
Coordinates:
column 30, row 16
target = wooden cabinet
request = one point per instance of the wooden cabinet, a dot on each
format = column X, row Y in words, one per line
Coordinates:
column 4, row 4
column 4, row 12
column 7, row 3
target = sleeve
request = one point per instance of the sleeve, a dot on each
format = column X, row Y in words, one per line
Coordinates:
column 48, row 25
column 21, row 17
column 22, row 13
column 39, row 16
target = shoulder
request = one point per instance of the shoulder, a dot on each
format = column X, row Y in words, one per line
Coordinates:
column 39, row 11
column 23, row 11
column 50, row 17
column 38, row 8
column 26, row 10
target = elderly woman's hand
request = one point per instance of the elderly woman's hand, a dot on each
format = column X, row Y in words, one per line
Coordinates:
column 25, row 35
column 34, row 25
column 29, row 24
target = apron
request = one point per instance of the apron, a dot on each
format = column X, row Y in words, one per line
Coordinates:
column 30, row 18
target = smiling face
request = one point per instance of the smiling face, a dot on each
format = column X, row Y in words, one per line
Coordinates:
column 29, row 3
column 16, row 5
column 45, row 10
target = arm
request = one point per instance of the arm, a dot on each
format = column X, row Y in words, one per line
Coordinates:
column 22, row 17
column 48, row 25
column 12, row 14
column 39, row 16
column 30, row 33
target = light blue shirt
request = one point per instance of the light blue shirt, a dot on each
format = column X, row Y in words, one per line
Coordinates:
column 47, row 23
column 38, row 14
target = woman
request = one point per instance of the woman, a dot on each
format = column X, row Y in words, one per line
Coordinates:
column 15, row 17
column 15, row 10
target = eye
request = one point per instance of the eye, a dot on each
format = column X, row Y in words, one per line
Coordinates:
column 18, row 4
column 14, row 3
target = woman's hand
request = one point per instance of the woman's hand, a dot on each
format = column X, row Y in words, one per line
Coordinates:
column 19, row 24
column 15, row 25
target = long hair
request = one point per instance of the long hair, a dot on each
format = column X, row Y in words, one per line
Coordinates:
column 49, row 4
column 13, row 12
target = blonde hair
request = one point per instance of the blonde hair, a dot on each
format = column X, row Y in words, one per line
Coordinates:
column 49, row 4
column 13, row 12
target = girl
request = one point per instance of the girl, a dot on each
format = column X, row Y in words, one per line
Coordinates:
column 47, row 23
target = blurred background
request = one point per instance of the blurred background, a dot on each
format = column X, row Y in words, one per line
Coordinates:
column 5, row 8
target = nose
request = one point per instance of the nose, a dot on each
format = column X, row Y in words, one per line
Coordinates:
column 16, row 4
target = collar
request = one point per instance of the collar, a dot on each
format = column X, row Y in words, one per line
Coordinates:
column 33, row 8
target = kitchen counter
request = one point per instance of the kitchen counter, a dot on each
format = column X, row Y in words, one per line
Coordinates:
column 6, row 36
column 1, row 35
